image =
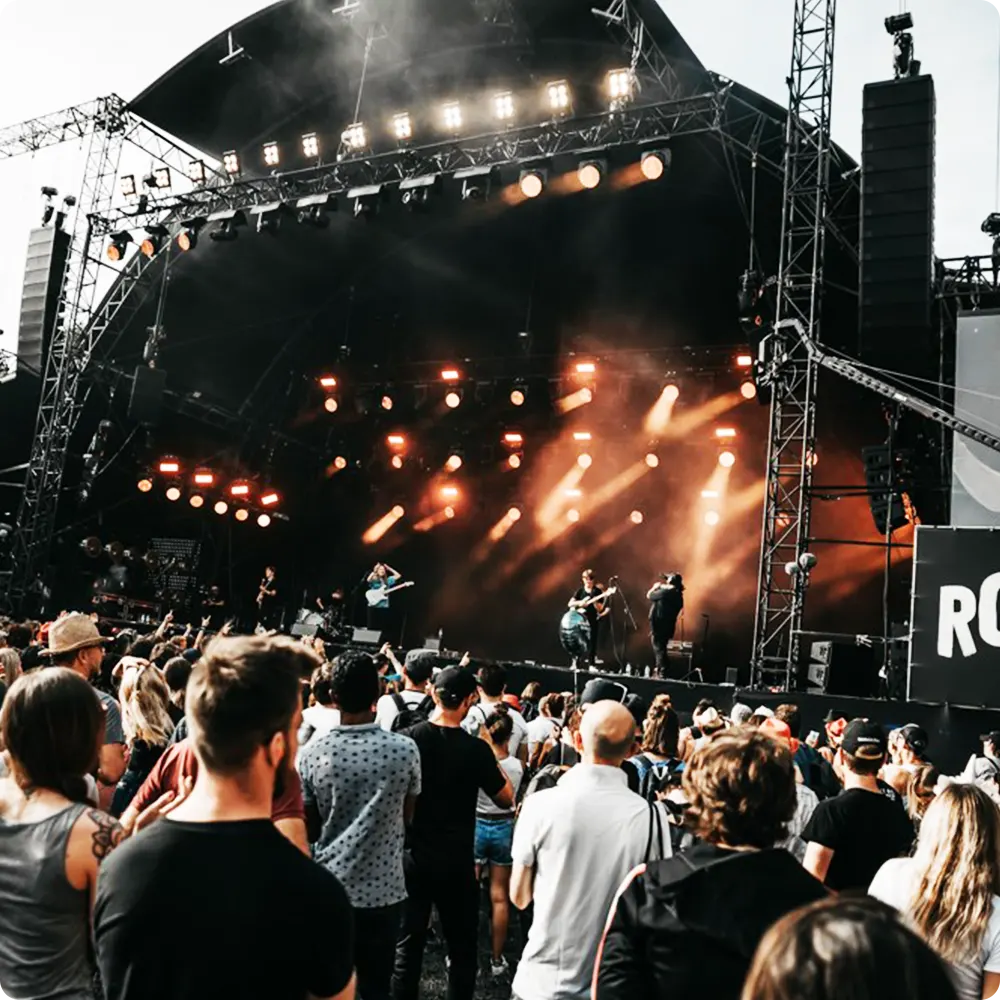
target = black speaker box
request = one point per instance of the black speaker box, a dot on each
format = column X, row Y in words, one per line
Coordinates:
column 147, row 395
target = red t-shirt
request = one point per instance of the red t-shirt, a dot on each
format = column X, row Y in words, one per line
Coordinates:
column 179, row 762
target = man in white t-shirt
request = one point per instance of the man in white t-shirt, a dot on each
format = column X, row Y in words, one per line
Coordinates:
column 574, row 844
column 417, row 670
column 492, row 686
column 545, row 727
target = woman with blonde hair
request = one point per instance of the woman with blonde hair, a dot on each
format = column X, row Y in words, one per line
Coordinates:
column 950, row 889
column 144, row 699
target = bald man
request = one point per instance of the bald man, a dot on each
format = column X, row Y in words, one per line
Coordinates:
column 573, row 846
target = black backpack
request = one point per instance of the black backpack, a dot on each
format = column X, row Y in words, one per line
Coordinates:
column 410, row 715
column 659, row 777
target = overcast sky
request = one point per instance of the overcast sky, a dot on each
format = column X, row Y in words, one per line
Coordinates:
column 56, row 53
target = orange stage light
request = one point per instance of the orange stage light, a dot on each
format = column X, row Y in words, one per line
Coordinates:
column 454, row 463
column 204, row 478
column 585, row 368
column 449, row 492
column 173, row 493
column 196, row 500
column 328, row 382
column 581, row 435
column 572, row 515
column 748, row 390
column 239, row 490
column 744, row 360
column 513, row 437
column 220, row 507
column 395, row 441
column 725, row 432
column 269, row 499
column 636, row 517
column 452, row 400
column 330, row 404
column 727, row 459
column 652, row 460
column 145, row 484
column 387, row 402
column 169, row 467
column 263, row 520
column 517, row 397
column 450, row 375
column 382, row 525
column 396, row 461
column 242, row 514
column 585, row 461
column 514, row 461
column 712, row 518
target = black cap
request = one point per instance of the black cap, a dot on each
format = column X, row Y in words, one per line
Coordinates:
column 454, row 685
column 991, row 737
column 638, row 706
column 915, row 737
column 864, row 739
column 601, row 689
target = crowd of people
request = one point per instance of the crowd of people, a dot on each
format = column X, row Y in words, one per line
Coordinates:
column 244, row 817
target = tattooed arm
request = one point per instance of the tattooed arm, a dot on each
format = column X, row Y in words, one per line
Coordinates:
column 94, row 836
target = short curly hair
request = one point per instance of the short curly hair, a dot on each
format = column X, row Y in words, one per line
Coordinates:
column 741, row 790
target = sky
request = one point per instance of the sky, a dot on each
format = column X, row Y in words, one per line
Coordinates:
column 57, row 53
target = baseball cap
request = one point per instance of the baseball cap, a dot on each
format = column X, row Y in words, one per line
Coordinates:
column 864, row 739
column 780, row 731
column 915, row 737
column 991, row 737
column 454, row 685
column 740, row 713
column 601, row 689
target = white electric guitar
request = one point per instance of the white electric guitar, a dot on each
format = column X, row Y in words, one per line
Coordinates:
column 378, row 594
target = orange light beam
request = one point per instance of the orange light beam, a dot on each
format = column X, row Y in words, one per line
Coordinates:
column 692, row 420
column 431, row 521
column 553, row 504
column 575, row 400
column 382, row 525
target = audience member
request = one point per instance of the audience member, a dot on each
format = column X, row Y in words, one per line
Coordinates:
column 920, row 792
column 845, row 949
column 816, row 772
column 495, row 834
column 51, row 840
column 321, row 715
column 545, row 726
column 740, row 714
column 689, row 925
column 573, row 845
column 417, row 670
column 256, row 918
column 657, row 764
column 439, row 858
column 359, row 783
column 492, row 686
column 10, row 666
column 949, row 891
column 147, row 727
column 75, row 643
column 986, row 767
column 176, row 673
column 833, row 728
column 530, row 701
column 806, row 799
column 907, row 752
column 851, row 835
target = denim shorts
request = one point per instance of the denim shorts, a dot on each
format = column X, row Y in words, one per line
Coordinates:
column 493, row 841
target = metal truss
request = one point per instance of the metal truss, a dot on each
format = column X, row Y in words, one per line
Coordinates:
column 970, row 280
column 58, row 127
column 792, row 433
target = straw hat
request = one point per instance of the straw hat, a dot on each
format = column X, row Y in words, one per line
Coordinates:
column 73, row 632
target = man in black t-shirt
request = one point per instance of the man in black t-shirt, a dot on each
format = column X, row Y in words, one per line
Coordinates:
column 211, row 900
column 851, row 836
column 439, row 861
column 594, row 613
column 666, row 602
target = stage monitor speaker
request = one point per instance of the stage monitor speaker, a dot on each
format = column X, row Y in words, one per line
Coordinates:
column 433, row 643
column 304, row 628
column 147, row 395
column 367, row 637
column 44, row 270
column 842, row 668
column 897, row 224
column 877, row 477
column 732, row 676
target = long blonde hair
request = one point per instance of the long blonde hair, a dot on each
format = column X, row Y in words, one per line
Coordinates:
column 10, row 666
column 958, row 857
column 144, row 696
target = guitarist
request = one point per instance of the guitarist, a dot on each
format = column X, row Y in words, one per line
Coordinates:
column 382, row 576
column 267, row 598
column 595, row 611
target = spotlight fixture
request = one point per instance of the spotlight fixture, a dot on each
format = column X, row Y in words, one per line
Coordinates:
column 712, row 518
column 396, row 461
column 652, row 460
column 450, row 375
column 220, row 507
column 532, row 182
column 366, row 199
column 196, row 500
column 582, row 436
column 396, row 441
column 748, row 390
column 156, row 237
column 636, row 517
column 187, row 238
column 585, row 461
column 263, row 520
column 453, row 399
column 727, row 459
column 416, row 191
column 272, row 156
column 451, row 115
column 514, row 514
column 725, row 432
column 619, row 84
column 454, row 463
column 710, row 494
column 744, row 360
column 518, row 395
column 310, row 146
column 145, row 484
column 557, row 93
column 476, row 182
column 330, row 404
column 585, row 368
column 514, row 461
column 128, row 187
column 231, row 163
column 117, row 243
column 671, row 392
column 228, row 223
column 654, row 163
column 590, row 173
column 898, row 22
column 402, row 126
column 449, row 492
column 314, row 208
column 196, row 171
column 386, row 403
column 449, row 512
column 269, row 217
column 204, row 478
column 242, row 514
column 503, row 106
column 572, row 515
column 513, row 438
column 169, row 467
column 270, row 499
column 239, row 489
column 328, row 381
column 162, row 179
column 340, row 463
column 173, row 494
column 354, row 137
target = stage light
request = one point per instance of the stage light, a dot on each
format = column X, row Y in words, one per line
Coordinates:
column 518, row 396
column 239, row 490
column 449, row 512
column 451, row 115
column 168, row 467
column 584, row 461
column 242, row 514
column 229, row 220
column 402, row 127
column 619, row 86
column 585, row 368
column 712, row 518
column 398, row 511
column 450, row 375
column 354, row 137
column 590, row 173
column 204, row 478
column 572, row 515
column 173, row 493
column 231, row 162
column 582, row 436
column 196, row 171
column 514, row 461
column 812, row 459
column 453, row 400
column 272, row 157
column 161, row 178
column 270, row 499
column 454, row 463
column 328, row 381
column 310, row 146
column 396, row 441
column 117, row 243
column 709, row 494
column 653, row 163
column 269, row 216
column 220, row 507
column 128, row 186
column 744, row 361
column 145, row 484
column 514, row 514
column 531, row 183
column 574, row 492
column 558, row 95
column 727, row 459
column 156, row 236
column 636, row 517
column 449, row 492
column 386, row 402
column 330, row 404
column 396, row 461
column 725, row 432
column 671, row 393
column 652, row 460
column 187, row 238
column 340, row 463
column 263, row 520
column 513, row 438
column 196, row 500
column 503, row 106
column 748, row 390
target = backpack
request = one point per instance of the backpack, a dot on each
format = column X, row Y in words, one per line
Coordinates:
column 410, row 715
column 657, row 776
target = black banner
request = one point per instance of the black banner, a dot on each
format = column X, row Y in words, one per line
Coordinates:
column 955, row 645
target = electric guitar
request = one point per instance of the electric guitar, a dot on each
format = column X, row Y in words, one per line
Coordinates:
column 378, row 594
column 579, row 605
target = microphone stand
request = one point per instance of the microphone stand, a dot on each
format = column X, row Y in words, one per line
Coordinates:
column 616, row 581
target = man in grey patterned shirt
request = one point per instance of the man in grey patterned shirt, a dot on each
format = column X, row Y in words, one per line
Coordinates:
column 360, row 785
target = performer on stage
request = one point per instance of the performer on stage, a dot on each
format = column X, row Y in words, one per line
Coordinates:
column 595, row 612
column 666, row 598
column 213, row 607
column 332, row 609
column 267, row 599
column 382, row 577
